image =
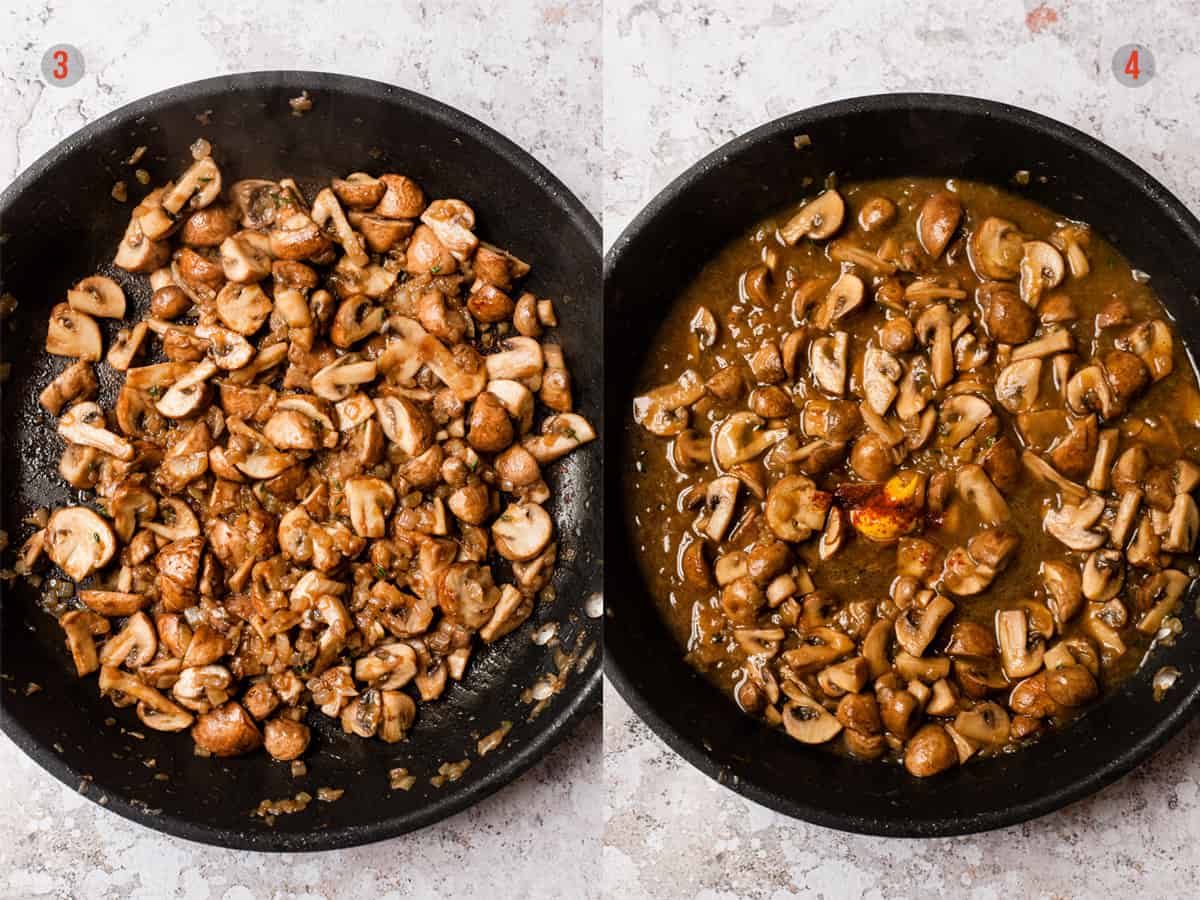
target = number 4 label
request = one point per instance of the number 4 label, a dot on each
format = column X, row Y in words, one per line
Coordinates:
column 1133, row 65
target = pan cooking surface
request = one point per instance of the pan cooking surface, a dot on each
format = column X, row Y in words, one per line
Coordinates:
column 61, row 224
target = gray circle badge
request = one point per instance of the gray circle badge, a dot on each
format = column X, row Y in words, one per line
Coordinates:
column 62, row 65
column 1133, row 65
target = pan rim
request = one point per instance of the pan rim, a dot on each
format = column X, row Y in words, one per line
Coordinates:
column 584, row 688
column 692, row 750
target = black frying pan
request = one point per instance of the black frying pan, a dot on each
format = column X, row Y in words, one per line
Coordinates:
column 661, row 251
column 59, row 224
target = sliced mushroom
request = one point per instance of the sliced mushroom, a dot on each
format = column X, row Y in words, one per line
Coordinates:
column 76, row 382
column 1152, row 343
column 134, row 646
column 1017, row 385
column 406, row 424
column 1064, row 589
column 79, row 541
column 844, row 297
column 73, row 333
column 795, row 508
column 1184, row 523
column 1049, row 344
column 817, row 220
column 1020, row 656
column 1103, row 575
column 522, row 531
column 340, row 378
column 937, row 221
column 560, row 435
column 742, row 437
column 663, row 411
column 190, row 394
column 1089, row 391
column 371, row 501
column 1041, row 269
column 246, row 257
column 828, row 362
column 977, row 489
column 996, row 249
column 881, row 372
column 98, row 296
column 1047, row 472
column 933, row 329
column 720, row 501
column 916, row 628
column 1070, row 524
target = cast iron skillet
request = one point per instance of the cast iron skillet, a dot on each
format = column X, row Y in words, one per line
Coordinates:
column 661, row 251
column 60, row 224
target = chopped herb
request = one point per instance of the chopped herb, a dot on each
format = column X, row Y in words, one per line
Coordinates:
column 153, row 391
column 435, row 269
column 573, row 436
column 473, row 465
column 204, row 180
column 95, row 537
column 379, row 570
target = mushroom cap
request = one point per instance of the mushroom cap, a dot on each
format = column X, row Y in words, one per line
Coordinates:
column 227, row 731
column 79, row 541
column 742, row 437
column 937, row 221
column 930, row 751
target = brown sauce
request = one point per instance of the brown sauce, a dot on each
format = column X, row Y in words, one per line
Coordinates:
column 774, row 295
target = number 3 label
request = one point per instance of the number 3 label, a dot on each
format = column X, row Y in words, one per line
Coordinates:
column 1133, row 65
column 62, row 65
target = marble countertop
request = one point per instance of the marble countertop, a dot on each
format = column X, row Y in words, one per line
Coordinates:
column 538, row 837
column 702, row 76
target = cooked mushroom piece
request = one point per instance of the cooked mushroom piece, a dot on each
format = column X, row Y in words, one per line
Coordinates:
column 1183, row 524
column 916, row 628
column 79, row 541
column 1020, row 655
column 720, row 501
column 996, row 249
column 227, row 731
column 1152, row 342
column 1103, row 575
column 937, row 221
column 816, row 220
column 1041, row 270
column 1064, row 588
column 795, row 508
column 371, row 501
column 828, row 360
column 881, row 372
column 1071, row 524
column 809, row 722
column 522, row 531
column 1017, row 385
column 98, row 296
column 73, row 333
column 930, row 751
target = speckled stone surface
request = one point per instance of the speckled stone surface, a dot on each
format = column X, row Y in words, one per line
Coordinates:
column 702, row 76
column 532, row 71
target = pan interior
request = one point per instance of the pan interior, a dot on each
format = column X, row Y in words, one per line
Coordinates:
column 60, row 224
column 648, row 268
